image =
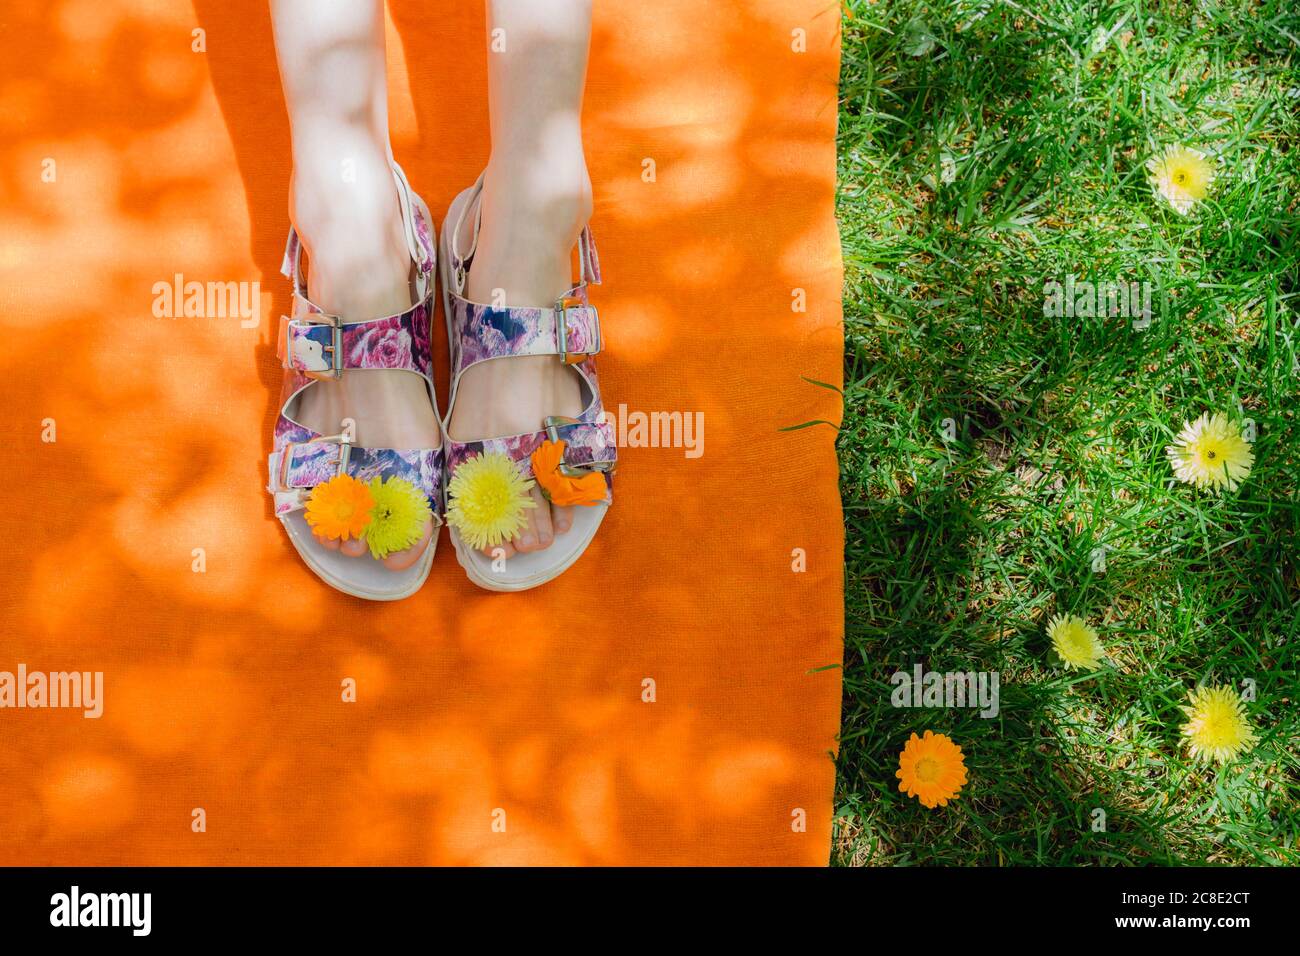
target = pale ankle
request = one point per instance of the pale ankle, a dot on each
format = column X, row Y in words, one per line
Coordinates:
column 532, row 217
column 358, row 261
column 550, row 193
column 357, row 280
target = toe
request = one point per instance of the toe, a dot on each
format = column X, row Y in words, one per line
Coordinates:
column 401, row 560
column 353, row 547
column 526, row 540
column 329, row 544
column 561, row 519
column 507, row 551
column 537, row 534
column 545, row 530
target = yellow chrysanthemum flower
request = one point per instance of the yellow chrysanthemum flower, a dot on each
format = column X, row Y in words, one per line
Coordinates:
column 1181, row 176
column 488, row 497
column 1218, row 727
column 932, row 769
column 1075, row 642
column 339, row 509
column 398, row 517
column 1210, row 452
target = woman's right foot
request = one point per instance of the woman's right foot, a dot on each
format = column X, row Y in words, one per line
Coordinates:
column 360, row 268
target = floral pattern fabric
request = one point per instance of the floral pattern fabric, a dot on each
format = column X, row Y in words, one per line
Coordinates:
column 397, row 342
column 486, row 331
column 313, row 462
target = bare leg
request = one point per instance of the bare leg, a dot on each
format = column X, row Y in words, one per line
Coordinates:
column 536, row 199
column 331, row 55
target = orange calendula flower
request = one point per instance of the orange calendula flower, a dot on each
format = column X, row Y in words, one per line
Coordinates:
column 932, row 769
column 339, row 509
column 561, row 489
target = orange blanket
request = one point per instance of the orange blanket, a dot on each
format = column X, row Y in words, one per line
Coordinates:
column 673, row 699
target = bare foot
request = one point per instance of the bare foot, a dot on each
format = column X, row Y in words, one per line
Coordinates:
column 360, row 268
column 534, row 208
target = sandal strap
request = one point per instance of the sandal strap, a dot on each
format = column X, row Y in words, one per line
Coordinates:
column 569, row 329
column 319, row 345
column 588, row 258
column 303, row 459
column 590, row 445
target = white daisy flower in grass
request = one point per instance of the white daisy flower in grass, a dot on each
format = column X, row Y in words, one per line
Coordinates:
column 1210, row 453
column 1076, row 642
column 1217, row 727
column 947, row 168
column 1181, row 176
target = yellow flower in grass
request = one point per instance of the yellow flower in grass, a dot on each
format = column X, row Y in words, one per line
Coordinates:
column 1075, row 642
column 1210, row 453
column 339, row 509
column 932, row 769
column 1217, row 727
column 488, row 496
column 1181, row 176
column 398, row 517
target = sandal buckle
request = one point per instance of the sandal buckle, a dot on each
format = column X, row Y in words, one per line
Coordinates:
column 343, row 440
column 553, row 424
column 334, row 350
column 563, row 306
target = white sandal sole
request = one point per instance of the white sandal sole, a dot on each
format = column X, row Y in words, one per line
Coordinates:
column 533, row 569
column 362, row 576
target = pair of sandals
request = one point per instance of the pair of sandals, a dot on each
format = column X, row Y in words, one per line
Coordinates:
column 315, row 345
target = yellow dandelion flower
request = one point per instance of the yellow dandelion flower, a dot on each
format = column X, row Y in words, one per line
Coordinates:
column 932, row 769
column 398, row 517
column 1181, row 176
column 488, row 496
column 1075, row 642
column 1218, row 727
column 1210, row 452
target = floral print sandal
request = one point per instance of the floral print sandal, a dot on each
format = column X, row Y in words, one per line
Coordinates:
column 304, row 467
column 571, row 459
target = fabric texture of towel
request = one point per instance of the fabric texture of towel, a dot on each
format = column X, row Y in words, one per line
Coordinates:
column 674, row 698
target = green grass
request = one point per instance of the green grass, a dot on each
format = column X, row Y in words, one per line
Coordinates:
column 959, row 552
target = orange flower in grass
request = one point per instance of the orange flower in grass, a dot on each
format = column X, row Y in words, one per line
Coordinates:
column 561, row 489
column 932, row 769
column 339, row 509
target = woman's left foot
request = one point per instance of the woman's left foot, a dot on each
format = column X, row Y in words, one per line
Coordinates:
column 523, row 257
